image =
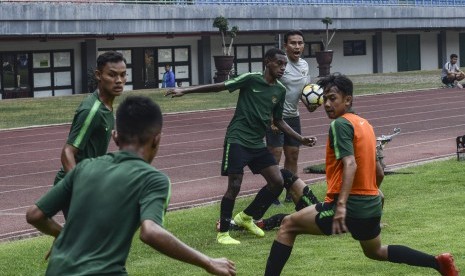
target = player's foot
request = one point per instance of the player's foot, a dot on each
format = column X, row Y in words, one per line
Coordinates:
column 450, row 85
column 446, row 265
column 459, row 85
column 224, row 238
column 246, row 221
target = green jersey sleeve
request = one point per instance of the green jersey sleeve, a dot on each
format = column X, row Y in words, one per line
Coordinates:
column 57, row 197
column 238, row 82
column 83, row 123
column 341, row 136
column 155, row 198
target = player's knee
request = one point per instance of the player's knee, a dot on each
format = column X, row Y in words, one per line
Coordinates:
column 289, row 178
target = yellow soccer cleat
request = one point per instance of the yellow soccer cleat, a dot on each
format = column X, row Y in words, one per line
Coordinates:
column 224, row 238
column 246, row 222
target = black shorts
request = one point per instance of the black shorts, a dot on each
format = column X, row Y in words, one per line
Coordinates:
column 236, row 157
column 280, row 139
column 445, row 80
column 360, row 229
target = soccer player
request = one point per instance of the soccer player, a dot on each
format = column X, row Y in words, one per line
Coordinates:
column 352, row 202
column 295, row 77
column 110, row 197
column 93, row 121
column 451, row 73
column 261, row 98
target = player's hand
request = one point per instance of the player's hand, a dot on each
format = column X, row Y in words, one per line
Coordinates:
column 275, row 129
column 174, row 92
column 309, row 141
column 339, row 220
column 221, row 266
column 312, row 107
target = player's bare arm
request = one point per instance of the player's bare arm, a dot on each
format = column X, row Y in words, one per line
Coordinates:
column 207, row 88
column 164, row 242
column 68, row 157
column 348, row 175
column 44, row 224
column 284, row 127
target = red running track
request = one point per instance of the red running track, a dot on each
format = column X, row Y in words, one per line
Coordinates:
column 191, row 149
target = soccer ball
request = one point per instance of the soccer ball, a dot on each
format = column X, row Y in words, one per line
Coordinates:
column 312, row 94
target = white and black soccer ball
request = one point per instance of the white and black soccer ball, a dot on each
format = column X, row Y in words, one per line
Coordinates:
column 312, row 94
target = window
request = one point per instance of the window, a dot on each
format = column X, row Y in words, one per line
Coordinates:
column 355, row 48
column 311, row 48
column 53, row 73
column 249, row 57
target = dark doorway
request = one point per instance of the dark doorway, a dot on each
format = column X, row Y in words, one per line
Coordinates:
column 15, row 77
column 408, row 52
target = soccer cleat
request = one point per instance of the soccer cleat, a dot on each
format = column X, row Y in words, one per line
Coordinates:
column 446, row 265
column 246, row 221
column 459, row 85
column 224, row 238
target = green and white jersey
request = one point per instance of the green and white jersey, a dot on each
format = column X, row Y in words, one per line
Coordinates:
column 91, row 130
column 294, row 79
column 258, row 102
column 109, row 197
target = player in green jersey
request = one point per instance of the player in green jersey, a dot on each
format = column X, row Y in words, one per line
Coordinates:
column 110, row 197
column 90, row 132
column 261, row 98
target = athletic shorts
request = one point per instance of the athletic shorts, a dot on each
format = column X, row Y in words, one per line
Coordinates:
column 280, row 139
column 236, row 157
column 360, row 229
column 445, row 80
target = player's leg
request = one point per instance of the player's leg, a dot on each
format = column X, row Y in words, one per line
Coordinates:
column 444, row 263
column 274, row 142
column 234, row 160
column 291, row 149
column 301, row 222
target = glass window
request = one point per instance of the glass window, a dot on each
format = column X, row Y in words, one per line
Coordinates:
column 42, row 80
column 164, row 55
column 41, row 60
column 181, row 54
column 256, row 51
column 181, row 72
column 257, row 66
column 128, row 74
column 242, row 52
column 62, row 78
column 242, row 68
column 62, row 59
column 354, row 48
column 313, row 47
column 127, row 54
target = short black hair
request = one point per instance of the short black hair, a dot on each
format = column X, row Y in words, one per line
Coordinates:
column 453, row 56
column 137, row 119
column 343, row 83
column 271, row 53
column 292, row 32
column 110, row 56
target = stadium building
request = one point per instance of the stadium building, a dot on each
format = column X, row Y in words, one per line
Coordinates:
column 49, row 48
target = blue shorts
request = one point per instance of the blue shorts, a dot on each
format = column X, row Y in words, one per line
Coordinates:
column 278, row 140
column 236, row 157
column 361, row 229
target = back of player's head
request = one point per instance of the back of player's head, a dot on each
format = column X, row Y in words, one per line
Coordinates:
column 343, row 83
column 107, row 57
column 453, row 56
column 292, row 32
column 271, row 53
column 138, row 118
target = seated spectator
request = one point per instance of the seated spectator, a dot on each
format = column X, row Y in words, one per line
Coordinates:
column 451, row 73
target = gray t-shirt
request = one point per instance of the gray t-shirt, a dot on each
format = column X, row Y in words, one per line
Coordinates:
column 449, row 67
column 294, row 79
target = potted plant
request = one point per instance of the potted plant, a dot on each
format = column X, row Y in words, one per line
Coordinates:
column 325, row 57
column 224, row 62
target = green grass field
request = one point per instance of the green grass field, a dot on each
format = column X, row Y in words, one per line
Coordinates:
column 423, row 210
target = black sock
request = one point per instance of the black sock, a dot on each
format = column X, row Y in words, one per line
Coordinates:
column 405, row 255
column 226, row 209
column 279, row 254
column 273, row 221
column 261, row 203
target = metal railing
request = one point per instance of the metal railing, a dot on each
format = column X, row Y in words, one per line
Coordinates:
column 429, row 3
